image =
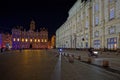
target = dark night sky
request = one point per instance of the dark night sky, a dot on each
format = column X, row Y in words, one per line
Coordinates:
column 46, row 13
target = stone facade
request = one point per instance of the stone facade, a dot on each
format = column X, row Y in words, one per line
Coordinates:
column 91, row 23
column 53, row 41
column 5, row 40
column 29, row 39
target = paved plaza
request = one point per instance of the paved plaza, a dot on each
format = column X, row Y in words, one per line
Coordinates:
column 52, row 65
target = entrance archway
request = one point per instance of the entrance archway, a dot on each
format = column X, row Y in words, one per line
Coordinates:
column 30, row 45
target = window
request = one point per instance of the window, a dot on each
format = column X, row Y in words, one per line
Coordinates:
column 30, row 40
column 96, row 44
column 26, row 40
column 112, row 30
column 96, row 20
column 110, row 1
column 86, row 36
column 87, row 24
column 112, row 43
column 86, row 44
column 86, row 12
column 96, row 7
column 22, row 40
column 45, row 40
column 35, row 40
column 18, row 39
column 14, row 39
column 81, row 16
column 112, row 13
column 97, row 34
column 42, row 40
column 38, row 40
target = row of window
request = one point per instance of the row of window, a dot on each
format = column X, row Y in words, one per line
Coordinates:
column 111, row 43
column 29, row 40
column 111, row 30
column 111, row 13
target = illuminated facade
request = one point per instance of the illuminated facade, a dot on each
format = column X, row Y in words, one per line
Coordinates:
column 5, row 40
column 91, row 23
column 53, row 41
column 30, row 38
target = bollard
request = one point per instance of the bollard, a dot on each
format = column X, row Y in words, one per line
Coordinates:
column 79, row 57
column 89, row 60
column 71, row 59
column 105, row 63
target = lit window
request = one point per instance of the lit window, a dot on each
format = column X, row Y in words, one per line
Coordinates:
column 38, row 40
column 112, row 13
column 22, row 40
column 30, row 40
column 45, row 40
column 115, row 46
column 86, row 36
column 35, row 40
column 42, row 40
column 14, row 39
column 81, row 16
column 18, row 39
column 26, row 40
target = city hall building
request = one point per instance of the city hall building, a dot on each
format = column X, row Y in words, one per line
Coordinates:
column 91, row 23
column 29, row 39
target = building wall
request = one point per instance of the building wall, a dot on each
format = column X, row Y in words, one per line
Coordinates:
column 92, row 23
column 5, row 40
column 29, row 39
column 53, row 41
